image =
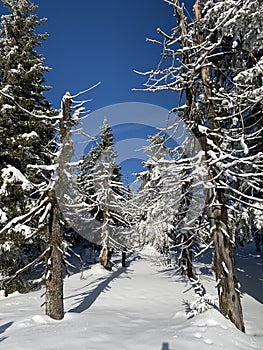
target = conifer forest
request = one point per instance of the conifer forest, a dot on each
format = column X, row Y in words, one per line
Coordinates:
column 172, row 259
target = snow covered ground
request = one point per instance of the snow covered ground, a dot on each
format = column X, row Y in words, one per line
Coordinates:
column 141, row 307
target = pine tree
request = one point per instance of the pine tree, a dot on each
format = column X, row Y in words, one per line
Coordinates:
column 100, row 182
column 26, row 128
column 34, row 178
column 154, row 224
column 169, row 191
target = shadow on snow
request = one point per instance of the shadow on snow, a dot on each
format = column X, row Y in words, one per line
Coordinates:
column 249, row 268
column 249, row 265
column 86, row 299
column 3, row 328
column 165, row 346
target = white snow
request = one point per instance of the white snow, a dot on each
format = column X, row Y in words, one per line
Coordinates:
column 3, row 216
column 6, row 247
column 6, row 107
column 30, row 135
column 141, row 307
column 244, row 145
column 11, row 174
column 224, row 267
column 44, row 215
column 24, row 229
column 234, row 44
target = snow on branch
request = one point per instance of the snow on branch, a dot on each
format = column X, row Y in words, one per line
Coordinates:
column 67, row 94
column 25, row 268
column 42, row 116
column 10, row 174
column 241, row 194
column 24, row 217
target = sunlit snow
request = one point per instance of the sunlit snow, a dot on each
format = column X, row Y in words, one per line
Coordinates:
column 140, row 307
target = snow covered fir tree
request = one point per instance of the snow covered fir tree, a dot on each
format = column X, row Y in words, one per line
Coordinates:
column 27, row 129
column 99, row 180
column 171, row 207
column 33, row 136
column 194, row 216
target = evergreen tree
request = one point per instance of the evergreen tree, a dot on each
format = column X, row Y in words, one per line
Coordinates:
column 26, row 131
column 34, row 157
column 100, row 183
column 172, row 202
column 154, row 224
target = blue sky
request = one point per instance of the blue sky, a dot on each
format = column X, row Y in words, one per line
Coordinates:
column 91, row 41
column 105, row 41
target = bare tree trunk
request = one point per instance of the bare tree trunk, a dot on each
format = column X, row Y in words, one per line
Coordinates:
column 187, row 263
column 54, row 265
column 54, row 277
column 227, row 284
column 105, row 258
column 105, row 255
column 123, row 257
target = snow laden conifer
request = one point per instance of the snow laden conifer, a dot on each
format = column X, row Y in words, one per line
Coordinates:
column 172, row 204
column 156, row 219
column 237, row 99
column 100, row 182
column 35, row 157
column 27, row 132
column 215, row 64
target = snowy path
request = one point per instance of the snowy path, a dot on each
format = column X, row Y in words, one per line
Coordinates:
column 133, row 309
column 136, row 308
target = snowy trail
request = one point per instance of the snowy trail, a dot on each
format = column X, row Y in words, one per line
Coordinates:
column 135, row 308
column 131, row 309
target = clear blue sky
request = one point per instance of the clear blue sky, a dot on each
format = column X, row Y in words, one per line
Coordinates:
column 105, row 40
column 91, row 41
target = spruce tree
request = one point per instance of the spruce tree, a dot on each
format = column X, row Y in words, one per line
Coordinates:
column 100, row 183
column 26, row 131
column 171, row 203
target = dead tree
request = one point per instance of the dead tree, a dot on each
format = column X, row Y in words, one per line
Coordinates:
column 54, row 261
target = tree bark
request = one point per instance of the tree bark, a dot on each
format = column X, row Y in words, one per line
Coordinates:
column 105, row 258
column 123, row 257
column 187, row 263
column 54, row 277
column 227, row 284
column 105, row 255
